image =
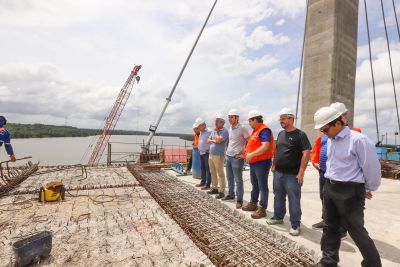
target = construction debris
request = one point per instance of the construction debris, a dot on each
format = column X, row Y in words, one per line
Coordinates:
column 225, row 236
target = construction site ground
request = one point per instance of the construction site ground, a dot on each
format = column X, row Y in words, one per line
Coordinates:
column 98, row 227
column 382, row 218
column 125, row 226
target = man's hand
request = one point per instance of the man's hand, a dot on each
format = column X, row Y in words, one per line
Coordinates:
column 368, row 195
column 12, row 158
column 210, row 141
column 300, row 177
column 273, row 168
column 239, row 156
column 249, row 157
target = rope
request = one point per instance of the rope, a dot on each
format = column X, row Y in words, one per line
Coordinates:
column 301, row 63
column 397, row 22
column 372, row 69
column 390, row 61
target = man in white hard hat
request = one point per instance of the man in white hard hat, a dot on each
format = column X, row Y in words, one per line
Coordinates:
column 341, row 108
column 258, row 153
column 352, row 173
column 218, row 140
column 204, row 149
column 319, row 157
column 234, row 161
column 290, row 162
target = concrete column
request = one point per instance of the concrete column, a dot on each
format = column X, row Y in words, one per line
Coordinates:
column 330, row 58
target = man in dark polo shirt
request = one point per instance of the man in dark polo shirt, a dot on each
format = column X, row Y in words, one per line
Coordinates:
column 292, row 154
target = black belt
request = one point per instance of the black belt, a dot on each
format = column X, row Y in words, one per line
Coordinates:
column 343, row 183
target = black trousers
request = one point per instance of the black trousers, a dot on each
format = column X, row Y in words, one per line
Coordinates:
column 344, row 203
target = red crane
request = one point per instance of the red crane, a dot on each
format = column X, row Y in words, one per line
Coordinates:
column 114, row 115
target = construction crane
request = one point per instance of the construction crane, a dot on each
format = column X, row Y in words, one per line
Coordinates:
column 153, row 128
column 114, row 115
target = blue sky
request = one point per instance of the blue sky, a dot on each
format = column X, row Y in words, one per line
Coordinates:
column 70, row 58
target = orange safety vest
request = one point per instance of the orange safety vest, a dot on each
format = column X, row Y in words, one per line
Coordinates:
column 254, row 143
column 316, row 149
column 195, row 140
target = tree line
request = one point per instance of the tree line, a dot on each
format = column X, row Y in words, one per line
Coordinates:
column 42, row 130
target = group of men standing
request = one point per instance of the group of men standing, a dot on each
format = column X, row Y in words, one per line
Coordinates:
column 346, row 160
column 287, row 160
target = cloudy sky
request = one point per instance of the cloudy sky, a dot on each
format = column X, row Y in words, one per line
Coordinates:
column 65, row 61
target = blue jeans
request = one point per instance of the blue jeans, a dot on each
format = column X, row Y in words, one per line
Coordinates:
column 205, row 170
column 259, row 182
column 234, row 174
column 286, row 184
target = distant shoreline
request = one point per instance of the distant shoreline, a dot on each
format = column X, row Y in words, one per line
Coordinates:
column 19, row 131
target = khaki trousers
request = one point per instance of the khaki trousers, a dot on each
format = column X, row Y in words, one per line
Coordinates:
column 216, row 164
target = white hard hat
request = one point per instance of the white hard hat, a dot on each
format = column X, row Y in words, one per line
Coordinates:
column 253, row 113
column 324, row 116
column 287, row 111
column 233, row 112
column 198, row 122
column 220, row 116
column 340, row 107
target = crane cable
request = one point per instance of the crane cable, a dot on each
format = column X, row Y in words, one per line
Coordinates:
column 390, row 61
column 372, row 69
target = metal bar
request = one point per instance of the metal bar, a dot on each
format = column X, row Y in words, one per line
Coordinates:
column 169, row 98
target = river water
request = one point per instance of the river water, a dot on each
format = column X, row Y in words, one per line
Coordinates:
column 69, row 150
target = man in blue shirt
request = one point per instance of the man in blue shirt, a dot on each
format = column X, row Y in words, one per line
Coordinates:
column 218, row 140
column 204, row 149
column 5, row 138
column 352, row 172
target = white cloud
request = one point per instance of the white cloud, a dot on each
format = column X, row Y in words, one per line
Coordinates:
column 280, row 22
column 261, row 37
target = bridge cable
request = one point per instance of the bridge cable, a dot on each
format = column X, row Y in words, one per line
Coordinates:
column 372, row 69
column 301, row 63
column 390, row 61
column 397, row 22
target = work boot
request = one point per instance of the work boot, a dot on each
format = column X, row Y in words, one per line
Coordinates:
column 220, row 195
column 206, row 187
column 213, row 191
column 228, row 197
column 251, row 206
column 239, row 205
column 259, row 213
column 199, row 185
column 319, row 225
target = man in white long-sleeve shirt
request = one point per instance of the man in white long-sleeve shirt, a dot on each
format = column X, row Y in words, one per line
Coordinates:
column 353, row 172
